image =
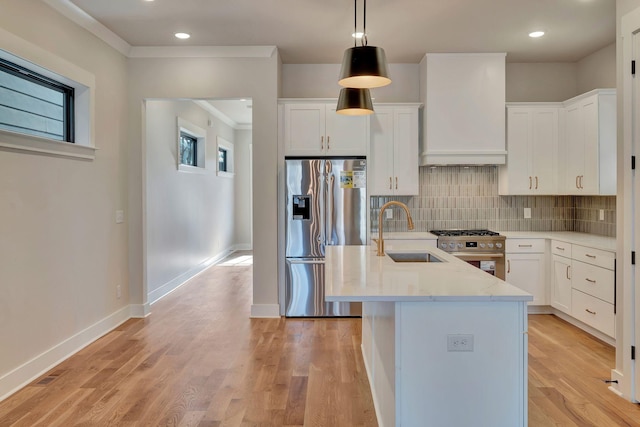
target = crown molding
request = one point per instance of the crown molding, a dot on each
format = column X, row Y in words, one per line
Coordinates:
column 221, row 116
column 89, row 23
column 202, row 51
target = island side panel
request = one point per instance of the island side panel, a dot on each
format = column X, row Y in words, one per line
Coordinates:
column 379, row 353
column 484, row 387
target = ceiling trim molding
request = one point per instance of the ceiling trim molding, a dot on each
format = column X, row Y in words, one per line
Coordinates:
column 202, row 51
column 221, row 116
column 86, row 21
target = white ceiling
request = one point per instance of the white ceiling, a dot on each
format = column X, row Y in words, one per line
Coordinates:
column 318, row 31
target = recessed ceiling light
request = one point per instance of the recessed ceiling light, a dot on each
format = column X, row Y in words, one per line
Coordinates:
column 182, row 35
column 536, row 34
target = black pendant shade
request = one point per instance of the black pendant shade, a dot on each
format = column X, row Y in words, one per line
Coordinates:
column 354, row 102
column 364, row 67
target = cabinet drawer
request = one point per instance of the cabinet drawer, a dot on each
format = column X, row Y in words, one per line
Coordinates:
column 604, row 259
column 593, row 311
column 561, row 248
column 525, row 246
column 593, row 280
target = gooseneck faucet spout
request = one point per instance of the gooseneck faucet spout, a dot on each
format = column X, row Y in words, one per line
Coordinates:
column 385, row 206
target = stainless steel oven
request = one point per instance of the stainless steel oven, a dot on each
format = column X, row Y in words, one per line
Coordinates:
column 481, row 248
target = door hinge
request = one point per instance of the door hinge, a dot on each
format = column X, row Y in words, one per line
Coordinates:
column 633, row 162
column 633, row 352
column 633, row 68
column 633, row 257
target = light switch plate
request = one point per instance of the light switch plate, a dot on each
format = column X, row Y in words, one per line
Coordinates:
column 119, row 217
column 389, row 214
column 527, row 213
column 601, row 214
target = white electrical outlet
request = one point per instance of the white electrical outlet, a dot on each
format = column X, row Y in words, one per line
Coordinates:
column 389, row 214
column 118, row 292
column 601, row 214
column 119, row 217
column 527, row 213
column 460, row 342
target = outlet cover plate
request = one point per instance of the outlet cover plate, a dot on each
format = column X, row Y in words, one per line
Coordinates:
column 527, row 213
column 460, row 342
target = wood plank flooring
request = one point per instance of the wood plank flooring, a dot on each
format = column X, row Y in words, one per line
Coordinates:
column 199, row 360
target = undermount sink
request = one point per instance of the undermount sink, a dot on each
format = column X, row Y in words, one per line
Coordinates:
column 413, row 257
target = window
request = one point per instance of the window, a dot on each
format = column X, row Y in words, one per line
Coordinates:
column 225, row 158
column 188, row 149
column 191, row 152
column 33, row 104
column 222, row 160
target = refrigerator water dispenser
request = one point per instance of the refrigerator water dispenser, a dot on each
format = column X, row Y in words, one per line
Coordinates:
column 302, row 207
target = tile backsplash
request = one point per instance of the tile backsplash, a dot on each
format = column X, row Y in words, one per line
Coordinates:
column 467, row 197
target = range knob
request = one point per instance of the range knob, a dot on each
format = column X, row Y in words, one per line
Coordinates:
column 498, row 245
column 452, row 245
column 460, row 245
column 443, row 245
column 491, row 245
column 482, row 245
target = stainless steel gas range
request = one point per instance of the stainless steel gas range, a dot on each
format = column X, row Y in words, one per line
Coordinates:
column 482, row 248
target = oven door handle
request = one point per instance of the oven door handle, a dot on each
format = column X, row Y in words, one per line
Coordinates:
column 476, row 255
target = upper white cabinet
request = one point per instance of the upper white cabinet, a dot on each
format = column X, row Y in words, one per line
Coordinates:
column 532, row 140
column 588, row 145
column 393, row 158
column 464, row 98
column 315, row 129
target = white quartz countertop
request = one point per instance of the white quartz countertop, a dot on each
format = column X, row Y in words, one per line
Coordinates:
column 356, row 273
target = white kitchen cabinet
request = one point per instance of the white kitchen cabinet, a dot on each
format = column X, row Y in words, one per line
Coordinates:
column 464, row 98
column 526, row 267
column 315, row 129
column 393, row 158
column 584, row 284
column 588, row 144
column 532, row 140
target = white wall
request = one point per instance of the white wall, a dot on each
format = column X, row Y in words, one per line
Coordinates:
column 597, row 70
column 321, row 81
column 190, row 216
column 242, row 189
column 205, row 76
column 61, row 253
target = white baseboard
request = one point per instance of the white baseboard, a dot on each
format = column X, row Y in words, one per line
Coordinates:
column 140, row 311
column 540, row 309
column 27, row 372
column 172, row 285
column 265, row 310
column 243, row 247
column 575, row 322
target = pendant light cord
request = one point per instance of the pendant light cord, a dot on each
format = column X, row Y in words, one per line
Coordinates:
column 355, row 23
column 364, row 27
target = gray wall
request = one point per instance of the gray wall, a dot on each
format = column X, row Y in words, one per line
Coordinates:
column 597, row 70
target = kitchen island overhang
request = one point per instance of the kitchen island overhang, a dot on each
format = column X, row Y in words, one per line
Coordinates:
column 414, row 316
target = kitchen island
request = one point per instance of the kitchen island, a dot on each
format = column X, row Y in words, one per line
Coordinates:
column 444, row 343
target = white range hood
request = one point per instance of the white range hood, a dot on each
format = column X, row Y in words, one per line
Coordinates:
column 464, row 114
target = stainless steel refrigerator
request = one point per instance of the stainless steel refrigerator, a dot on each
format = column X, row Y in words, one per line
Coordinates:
column 326, row 205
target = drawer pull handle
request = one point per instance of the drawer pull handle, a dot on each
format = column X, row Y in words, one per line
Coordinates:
column 525, row 246
column 559, row 248
column 589, row 311
column 590, row 256
column 568, row 267
column 508, row 266
column 589, row 280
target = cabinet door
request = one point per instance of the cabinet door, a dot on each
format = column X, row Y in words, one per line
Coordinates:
column 589, row 181
column 518, row 148
column 574, row 140
column 527, row 272
column 345, row 135
column 543, row 149
column 561, row 284
column 405, row 152
column 304, row 129
column 380, row 164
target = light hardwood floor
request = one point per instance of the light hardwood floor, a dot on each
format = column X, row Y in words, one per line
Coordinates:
column 199, row 360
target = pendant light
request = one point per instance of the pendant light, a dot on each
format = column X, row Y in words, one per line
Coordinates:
column 354, row 102
column 364, row 66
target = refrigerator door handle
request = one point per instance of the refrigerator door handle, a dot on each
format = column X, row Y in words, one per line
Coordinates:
column 329, row 214
column 321, row 213
column 305, row 260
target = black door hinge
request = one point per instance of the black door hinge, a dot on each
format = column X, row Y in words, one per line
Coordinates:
column 633, row 68
column 633, row 352
column 633, row 257
column 633, row 162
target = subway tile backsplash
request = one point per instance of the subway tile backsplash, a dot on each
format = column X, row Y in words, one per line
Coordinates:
column 467, row 197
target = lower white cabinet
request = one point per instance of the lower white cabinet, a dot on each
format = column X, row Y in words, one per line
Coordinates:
column 583, row 284
column 525, row 267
